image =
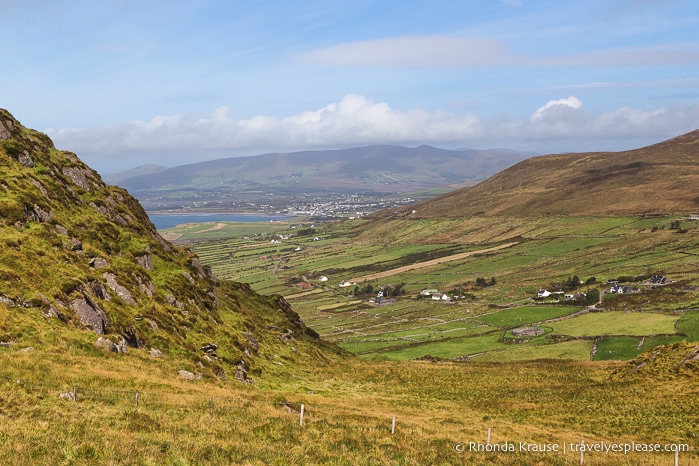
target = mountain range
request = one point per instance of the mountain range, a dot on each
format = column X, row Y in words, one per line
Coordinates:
column 379, row 168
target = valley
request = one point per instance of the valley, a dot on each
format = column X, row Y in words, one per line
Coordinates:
column 471, row 319
column 442, row 335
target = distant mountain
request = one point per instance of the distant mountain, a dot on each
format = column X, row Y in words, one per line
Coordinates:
column 661, row 178
column 381, row 168
column 150, row 169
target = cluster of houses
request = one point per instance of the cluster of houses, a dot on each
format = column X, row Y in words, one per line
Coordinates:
column 543, row 294
column 615, row 288
column 436, row 295
column 622, row 289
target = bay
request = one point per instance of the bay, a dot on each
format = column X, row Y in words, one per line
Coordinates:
column 165, row 221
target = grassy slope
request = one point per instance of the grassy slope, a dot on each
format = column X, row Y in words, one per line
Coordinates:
column 348, row 411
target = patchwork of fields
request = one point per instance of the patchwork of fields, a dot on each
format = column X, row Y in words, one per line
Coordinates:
column 490, row 268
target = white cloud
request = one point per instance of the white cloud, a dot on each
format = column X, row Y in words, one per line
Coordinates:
column 552, row 106
column 451, row 51
column 354, row 120
column 416, row 51
column 557, row 126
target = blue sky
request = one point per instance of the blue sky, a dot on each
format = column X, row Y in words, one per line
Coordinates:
column 128, row 82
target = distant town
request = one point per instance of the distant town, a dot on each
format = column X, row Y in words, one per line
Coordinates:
column 322, row 205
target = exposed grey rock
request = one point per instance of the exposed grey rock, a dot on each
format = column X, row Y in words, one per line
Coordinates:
column 153, row 324
column 145, row 286
column 61, row 230
column 288, row 336
column 99, row 263
column 99, row 290
column 241, row 373
column 28, row 349
column 76, row 244
column 251, row 338
column 90, row 315
column 25, row 159
column 121, row 345
column 188, row 277
column 145, row 261
column 173, row 301
column 120, row 290
column 209, row 347
column 106, row 344
column 40, row 187
column 204, row 271
column 5, row 128
column 52, row 310
column 188, row 375
column 77, row 176
column 69, row 396
column 42, row 215
column 156, row 353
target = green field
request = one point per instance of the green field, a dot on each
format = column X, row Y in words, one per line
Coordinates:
column 548, row 251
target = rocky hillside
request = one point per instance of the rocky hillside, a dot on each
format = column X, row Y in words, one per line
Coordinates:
column 79, row 257
column 658, row 179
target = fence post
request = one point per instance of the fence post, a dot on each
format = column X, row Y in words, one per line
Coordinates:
column 211, row 407
column 393, row 425
column 582, row 451
column 303, row 408
column 75, row 393
column 136, row 400
column 487, row 442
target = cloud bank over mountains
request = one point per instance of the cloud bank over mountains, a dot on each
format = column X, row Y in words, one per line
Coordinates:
column 356, row 120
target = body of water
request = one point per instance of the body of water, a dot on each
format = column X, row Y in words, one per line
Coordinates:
column 164, row 221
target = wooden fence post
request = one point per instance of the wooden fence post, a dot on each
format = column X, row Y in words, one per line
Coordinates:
column 211, row 407
column 393, row 425
column 303, row 408
column 136, row 400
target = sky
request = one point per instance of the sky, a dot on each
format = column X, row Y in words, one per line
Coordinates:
column 123, row 83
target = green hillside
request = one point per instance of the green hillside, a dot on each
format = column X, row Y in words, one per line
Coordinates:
column 80, row 260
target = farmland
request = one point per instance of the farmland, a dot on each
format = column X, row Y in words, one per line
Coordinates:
column 490, row 270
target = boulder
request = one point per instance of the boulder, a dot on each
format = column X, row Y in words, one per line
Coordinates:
column 90, row 315
column 188, row 375
column 106, row 344
column 99, row 263
column 120, row 290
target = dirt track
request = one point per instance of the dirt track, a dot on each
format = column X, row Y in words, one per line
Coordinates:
column 419, row 265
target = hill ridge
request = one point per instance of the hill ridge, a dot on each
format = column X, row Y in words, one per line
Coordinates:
column 656, row 179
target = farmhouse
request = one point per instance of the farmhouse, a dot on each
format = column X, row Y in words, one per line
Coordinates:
column 543, row 294
column 429, row 292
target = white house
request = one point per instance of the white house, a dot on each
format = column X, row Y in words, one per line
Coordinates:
column 543, row 294
column 323, row 278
